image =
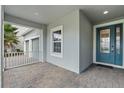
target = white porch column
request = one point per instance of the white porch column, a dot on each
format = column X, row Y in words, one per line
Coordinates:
column 24, row 46
column 44, row 27
column 30, row 48
column 1, row 45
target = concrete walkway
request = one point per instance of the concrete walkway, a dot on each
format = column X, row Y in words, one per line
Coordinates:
column 47, row 75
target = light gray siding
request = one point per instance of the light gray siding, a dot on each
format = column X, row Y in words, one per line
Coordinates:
column 70, row 58
column 86, row 45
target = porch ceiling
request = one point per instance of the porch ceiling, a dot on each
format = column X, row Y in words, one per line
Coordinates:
column 47, row 13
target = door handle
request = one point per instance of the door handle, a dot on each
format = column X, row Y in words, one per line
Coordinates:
column 112, row 49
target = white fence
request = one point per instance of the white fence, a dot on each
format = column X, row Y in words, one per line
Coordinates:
column 16, row 59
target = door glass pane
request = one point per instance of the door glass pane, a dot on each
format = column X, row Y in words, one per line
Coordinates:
column 105, row 41
column 118, row 40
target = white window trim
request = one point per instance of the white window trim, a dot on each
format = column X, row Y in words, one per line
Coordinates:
column 51, row 42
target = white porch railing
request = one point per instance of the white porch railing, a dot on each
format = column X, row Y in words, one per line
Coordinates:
column 16, row 59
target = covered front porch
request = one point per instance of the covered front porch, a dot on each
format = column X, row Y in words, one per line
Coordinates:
column 64, row 52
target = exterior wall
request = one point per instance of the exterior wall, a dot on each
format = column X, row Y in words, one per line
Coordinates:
column 86, row 45
column 35, row 33
column 70, row 59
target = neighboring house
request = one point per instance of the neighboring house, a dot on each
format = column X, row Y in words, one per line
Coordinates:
column 72, row 41
column 20, row 31
column 32, row 43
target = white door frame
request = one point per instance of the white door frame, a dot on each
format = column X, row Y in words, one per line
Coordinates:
column 94, row 42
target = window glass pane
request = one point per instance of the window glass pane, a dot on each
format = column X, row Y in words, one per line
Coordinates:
column 57, row 47
column 118, row 40
column 105, row 41
column 57, row 35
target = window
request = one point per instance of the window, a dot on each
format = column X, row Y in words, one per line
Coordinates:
column 57, row 41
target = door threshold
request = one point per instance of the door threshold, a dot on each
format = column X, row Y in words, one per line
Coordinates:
column 105, row 66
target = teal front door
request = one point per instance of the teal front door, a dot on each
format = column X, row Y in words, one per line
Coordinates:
column 109, row 44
